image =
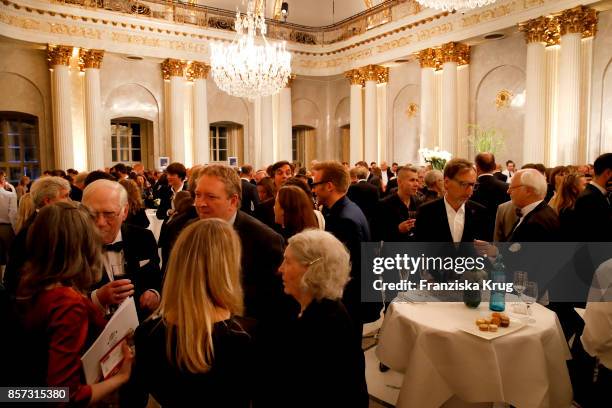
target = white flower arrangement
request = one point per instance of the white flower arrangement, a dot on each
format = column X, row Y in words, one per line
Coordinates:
column 436, row 157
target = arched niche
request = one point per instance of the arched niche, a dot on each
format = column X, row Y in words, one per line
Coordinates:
column 406, row 125
column 506, row 118
column 606, row 111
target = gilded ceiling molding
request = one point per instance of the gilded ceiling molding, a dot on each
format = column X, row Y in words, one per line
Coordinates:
column 197, row 70
column 376, row 73
column 173, row 67
column 580, row 20
column 427, row 58
column 290, row 81
column 453, row 52
column 355, row 77
column 90, row 58
column 59, row 55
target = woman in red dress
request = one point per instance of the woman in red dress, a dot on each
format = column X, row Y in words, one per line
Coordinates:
column 58, row 319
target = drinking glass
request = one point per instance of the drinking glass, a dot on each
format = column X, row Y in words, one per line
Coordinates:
column 520, row 281
column 531, row 296
column 411, row 216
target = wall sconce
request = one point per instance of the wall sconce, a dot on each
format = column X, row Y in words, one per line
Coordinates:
column 284, row 10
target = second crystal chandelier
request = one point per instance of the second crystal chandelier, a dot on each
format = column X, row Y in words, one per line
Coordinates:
column 246, row 69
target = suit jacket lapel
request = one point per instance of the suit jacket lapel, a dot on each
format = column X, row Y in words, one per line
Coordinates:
column 444, row 219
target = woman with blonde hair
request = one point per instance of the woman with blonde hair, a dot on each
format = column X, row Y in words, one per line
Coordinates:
column 24, row 212
column 321, row 352
column 195, row 347
column 570, row 188
column 59, row 322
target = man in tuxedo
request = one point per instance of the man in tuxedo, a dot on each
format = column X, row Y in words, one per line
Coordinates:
column 176, row 173
column 387, row 174
column 510, row 170
column 218, row 195
column 498, row 173
column 454, row 218
column 130, row 257
column 394, row 219
column 593, row 207
column 250, row 198
column 345, row 220
column 489, row 191
column 362, row 193
column 44, row 191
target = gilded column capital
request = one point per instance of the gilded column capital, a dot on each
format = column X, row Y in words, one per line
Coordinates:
column 536, row 30
column 428, row 58
column 354, row 76
column 196, row 70
column 173, row 67
column 59, row 55
column 376, row 73
column 290, row 80
column 580, row 20
column 453, row 52
column 90, row 58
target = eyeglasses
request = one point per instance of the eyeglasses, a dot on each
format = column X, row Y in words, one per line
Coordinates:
column 513, row 187
column 108, row 215
column 318, row 183
column 464, row 184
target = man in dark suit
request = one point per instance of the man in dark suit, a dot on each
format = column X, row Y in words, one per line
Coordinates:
column 593, row 207
column 176, row 173
column 130, row 257
column 345, row 220
column 489, row 191
column 362, row 193
column 454, row 218
column 396, row 214
column 250, row 198
column 44, row 191
column 499, row 175
column 218, row 195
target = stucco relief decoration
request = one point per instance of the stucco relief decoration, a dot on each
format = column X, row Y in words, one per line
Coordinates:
column 59, row 55
column 290, row 80
column 173, row 67
column 375, row 73
column 454, row 52
column 428, row 58
column 90, row 58
column 355, row 77
column 197, row 70
column 536, row 30
column 581, row 20
column 412, row 110
column 503, row 99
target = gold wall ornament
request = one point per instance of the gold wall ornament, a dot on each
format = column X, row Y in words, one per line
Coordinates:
column 503, row 99
column 173, row 67
column 412, row 110
column 453, row 52
column 59, row 55
column 290, row 80
column 197, row 70
column 90, row 58
column 536, row 30
column 428, row 58
column 580, row 20
column 355, row 77
column 376, row 73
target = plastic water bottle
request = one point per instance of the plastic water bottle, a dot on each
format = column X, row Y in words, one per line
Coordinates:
column 497, row 303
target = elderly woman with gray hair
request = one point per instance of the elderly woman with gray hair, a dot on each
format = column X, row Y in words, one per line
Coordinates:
column 323, row 364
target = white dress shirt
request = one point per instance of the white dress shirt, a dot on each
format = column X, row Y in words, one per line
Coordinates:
column 456, row 220
column 526, row 210
column 8, row 207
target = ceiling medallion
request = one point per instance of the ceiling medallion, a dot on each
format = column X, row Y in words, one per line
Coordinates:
column 450, row 5
column 248, row 70
column 503, row 99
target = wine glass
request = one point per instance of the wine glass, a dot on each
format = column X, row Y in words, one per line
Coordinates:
column 520, row 281
column 411, row 216
column 531, row 296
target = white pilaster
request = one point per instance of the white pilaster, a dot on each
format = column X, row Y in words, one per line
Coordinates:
column 383, row 142
column 177, row 119
column 569, row 97
column 463, row 95
column 267, row 139
column 552, row 105
column 585, row 101
column 356, row 129
column 93, row 120
column 371, row 122
column 448, row 136
column 62, row 116
column 428, row 100
column 534, row 140
column 285, row 125
column 201, row 127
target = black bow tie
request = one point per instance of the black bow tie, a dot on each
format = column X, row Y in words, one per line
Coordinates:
column 116, row 247
column 519, row 212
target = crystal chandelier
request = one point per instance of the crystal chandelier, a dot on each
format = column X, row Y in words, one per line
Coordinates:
column 246, row 69
column 450, row 5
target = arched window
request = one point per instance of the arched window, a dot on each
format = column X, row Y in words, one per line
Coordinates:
column 19, row 151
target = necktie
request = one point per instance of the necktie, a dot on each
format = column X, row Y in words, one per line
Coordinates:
column 116, row 247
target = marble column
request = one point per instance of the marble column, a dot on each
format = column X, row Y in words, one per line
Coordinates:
column 356, row 113
column 198, row 72
column 173, row 71
column 574, row 24
column 552, row 105
column 534, row 140
column 463, row 96
column 267, row 139
column 89, row 62
column 384, row 152
column 59, row 63
column 451, row 55
column 428, row 126
column 285, row 123
column 373, row 75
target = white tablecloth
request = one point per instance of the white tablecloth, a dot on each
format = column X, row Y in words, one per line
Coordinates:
column 154, row 222
column 526, row 368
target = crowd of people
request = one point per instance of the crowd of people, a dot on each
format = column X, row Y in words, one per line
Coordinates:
column 256, row 297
